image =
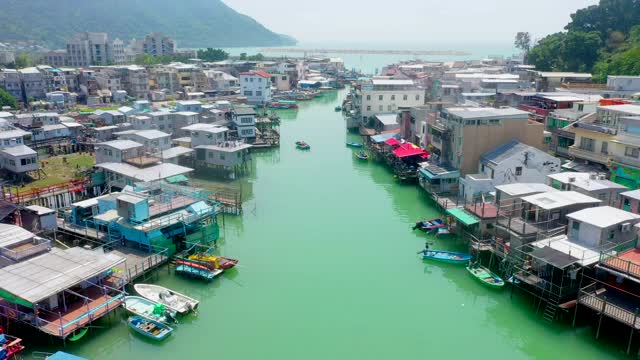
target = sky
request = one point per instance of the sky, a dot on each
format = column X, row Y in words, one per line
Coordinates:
column 410, row 21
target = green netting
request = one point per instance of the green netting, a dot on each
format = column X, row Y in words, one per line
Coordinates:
column 205, row 234
column 164, row 243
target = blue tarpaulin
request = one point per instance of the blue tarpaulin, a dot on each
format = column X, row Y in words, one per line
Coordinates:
column 378, row 139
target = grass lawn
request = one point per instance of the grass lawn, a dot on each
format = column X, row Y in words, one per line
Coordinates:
column 58, row 171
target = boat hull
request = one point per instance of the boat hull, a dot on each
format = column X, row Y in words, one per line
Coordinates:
column 486, row 277
column 149, row 328
column 175, row 301
column 355, row 145
column 140, row 306
column 197, row 273
column 214, row 261
column 447, row 256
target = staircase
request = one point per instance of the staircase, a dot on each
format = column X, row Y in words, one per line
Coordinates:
column 551, row 308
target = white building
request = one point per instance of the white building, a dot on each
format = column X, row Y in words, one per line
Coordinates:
column 387, row 95
column 623, row 83
column 85, row 49
column 594, row 185
column 512, row 162
column 154, row 141
column 601, row 227
column 256, row 87
column 157, row 44
column 117, row 151
column 206, row 134
column 244, row 120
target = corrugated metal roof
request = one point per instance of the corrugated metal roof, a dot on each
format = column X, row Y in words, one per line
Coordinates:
column 603, row 216
column 12, row 234
column 19, row 150
column 121, row 144
column 39, row 278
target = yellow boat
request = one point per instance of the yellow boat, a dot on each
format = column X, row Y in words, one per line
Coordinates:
column 214, row 261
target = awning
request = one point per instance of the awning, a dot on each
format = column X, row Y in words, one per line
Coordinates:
column 409, row 149
column 463, row 216
column 392, row 142
column 177, row 179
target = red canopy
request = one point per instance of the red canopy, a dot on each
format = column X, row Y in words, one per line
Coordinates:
column 392, row 142
column 409, row 149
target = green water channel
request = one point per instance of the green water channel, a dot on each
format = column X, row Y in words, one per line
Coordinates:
column 328, row 270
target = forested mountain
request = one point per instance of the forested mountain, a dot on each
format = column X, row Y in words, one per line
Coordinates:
column 193, row 23
column 603, row 39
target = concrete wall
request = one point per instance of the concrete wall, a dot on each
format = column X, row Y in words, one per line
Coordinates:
column 391, row 100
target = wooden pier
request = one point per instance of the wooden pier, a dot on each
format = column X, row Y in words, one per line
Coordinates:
column 230, row 200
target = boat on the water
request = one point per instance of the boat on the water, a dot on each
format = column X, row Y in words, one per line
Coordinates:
column 301, row 145
column 198, row 273
column 214, row 261
column 430, row 225
column 485, row 276
column 362, row 155
column 150, row 328
column 354, row 145
column 443, row 231
column 175, row 301
column 446, row 256
column 149, row 309
column 338, row 108
column 9, row 346
column 283, row 104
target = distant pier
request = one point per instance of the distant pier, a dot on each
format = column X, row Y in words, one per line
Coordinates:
column 368, row 52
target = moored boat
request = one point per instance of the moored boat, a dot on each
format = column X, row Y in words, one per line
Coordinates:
column 446, row 256
column 214, row 261
column 175, row 301
column 354, row 144
column 283, row 104
column 9, row 346
column 301, row 145
column 338, row 108
column 485, row 276
column 430, row 225
column 194, row 272
column 150, row 328
column 362, row 155
column 149, row 309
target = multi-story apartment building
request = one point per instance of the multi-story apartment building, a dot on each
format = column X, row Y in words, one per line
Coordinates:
column 85, row 49
column 611, row 139
column 386, row 96
column 135, row 80
column 256, row 87
column 462, row 134
column 33, row 83
column 10, row 81
column 55, row 58
column 157, row 44
column 117, row 53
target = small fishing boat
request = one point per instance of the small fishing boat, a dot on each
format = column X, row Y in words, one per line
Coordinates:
column 443, row 231
column 283, row 104
column 301, row 145
column 485, row 276
column 430, row 225
column 10, row 346
column 146, row 308
column 214, row 261
column 199, row 273
column 175, row 301
column 78, row 334
column 338, row 108
column 362, row 155
column 354, row 144
column 446, row 256
column 150, row 328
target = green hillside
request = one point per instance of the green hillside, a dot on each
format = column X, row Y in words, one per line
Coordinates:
column 193, row 23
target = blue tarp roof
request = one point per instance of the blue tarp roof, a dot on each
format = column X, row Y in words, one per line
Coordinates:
column 384, row 137
column 439, row 172
column 61, row 355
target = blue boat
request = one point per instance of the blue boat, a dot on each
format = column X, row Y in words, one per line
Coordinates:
column 446, row 256
column 354, row 145
column 150, row 328
column 430, row 226
column 194, row 272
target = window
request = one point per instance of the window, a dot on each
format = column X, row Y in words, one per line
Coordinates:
column 368, row 97
column 251, row 79
column 405, row 97
column 417, row 97
column 284, row 78
column 210, row 155
column 380, row 97
column 518, row 170
column 380, row 108
column 612, row 234
column 492, row 173
column 604, row 148
column 23, row 162
column 7, row 142
column 575, row 226
column 632, row 152
column 259, row 79
column 393, row 97
column 580, row 107
column 248, row 93
column 258, row 93
column 368, row 107
column 389, row 108
column 587, row 144
column 221, row 156
column 482, row 168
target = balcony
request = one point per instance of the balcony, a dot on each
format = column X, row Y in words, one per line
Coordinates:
column 598, row 157
column 596, row 127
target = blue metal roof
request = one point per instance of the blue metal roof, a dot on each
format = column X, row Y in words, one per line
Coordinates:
column 384, row 137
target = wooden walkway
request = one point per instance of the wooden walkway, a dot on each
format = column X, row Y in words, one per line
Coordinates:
column 80, row 315
column 82, row 231
column 618, row 313
column 137, row 262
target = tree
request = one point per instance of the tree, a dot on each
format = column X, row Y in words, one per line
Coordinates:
column 523, row 42
column 7, row 100
column 211, row 54
column 547, row 54
column 580, row 50
column 256, row 57
column 243, row 56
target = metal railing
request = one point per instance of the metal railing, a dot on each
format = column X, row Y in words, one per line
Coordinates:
column 610, row 259
column 589, row 297
column 38, row 245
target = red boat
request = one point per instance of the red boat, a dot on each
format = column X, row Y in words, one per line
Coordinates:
column 282, row 105
column 10, row 346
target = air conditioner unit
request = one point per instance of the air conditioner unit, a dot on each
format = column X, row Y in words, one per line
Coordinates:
column 626, row 227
